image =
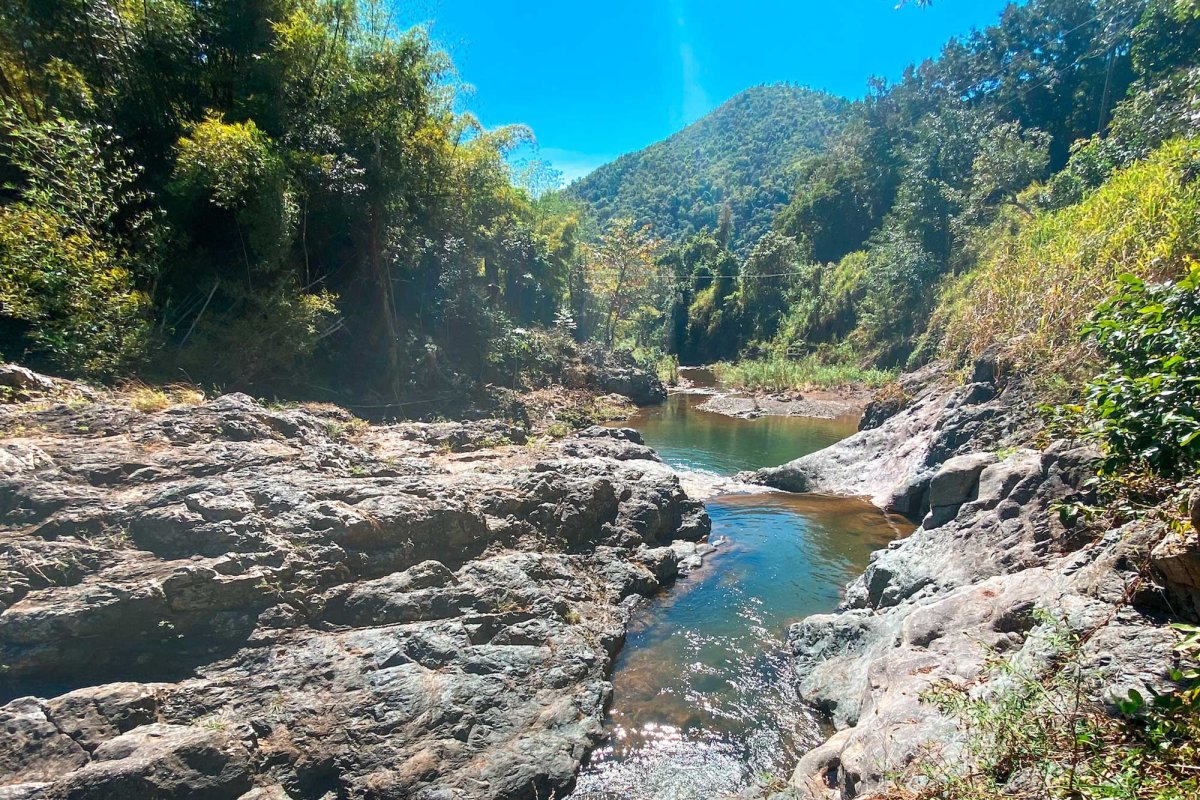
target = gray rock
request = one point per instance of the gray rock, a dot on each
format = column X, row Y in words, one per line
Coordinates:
column 232, row 596
column 160, row 762
column 955, row 481
column 989, row 560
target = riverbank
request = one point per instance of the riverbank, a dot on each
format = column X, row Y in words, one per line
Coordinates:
column 849, row 403
column 840, row 403
column 220, row 599
column 995, row 574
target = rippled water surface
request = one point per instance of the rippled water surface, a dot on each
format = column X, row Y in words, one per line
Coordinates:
column 704, row 704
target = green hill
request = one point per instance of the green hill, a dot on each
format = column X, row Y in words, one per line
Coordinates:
column 741, row 153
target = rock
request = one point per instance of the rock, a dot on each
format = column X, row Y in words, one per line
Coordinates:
column 617, row 434
column 32, row 748
column 25, row 380
column 638, row 385
column 618, row 372
column 883, row 406
column 1177, row 560
column 160, row 762
column 986, row 369
column 955, row 481
column 95, row 714
column 991, row 559
column 231, row 600
column 878, row 463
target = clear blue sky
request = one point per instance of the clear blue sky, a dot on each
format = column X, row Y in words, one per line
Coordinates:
column 598, row 79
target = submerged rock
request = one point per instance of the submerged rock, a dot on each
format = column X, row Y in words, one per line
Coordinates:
column 232, row 601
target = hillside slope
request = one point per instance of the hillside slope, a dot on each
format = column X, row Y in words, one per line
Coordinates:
column 741, row 153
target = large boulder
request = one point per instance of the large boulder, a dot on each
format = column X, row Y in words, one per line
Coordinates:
column 161, row 762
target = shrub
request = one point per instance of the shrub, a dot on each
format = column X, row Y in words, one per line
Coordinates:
column 67, row 284
column 264, row 346
column 1147, row 402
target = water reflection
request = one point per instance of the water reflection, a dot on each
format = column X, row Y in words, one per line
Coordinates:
column 704, row 701
column 690, row 439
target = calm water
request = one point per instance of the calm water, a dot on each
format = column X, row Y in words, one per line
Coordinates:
column 704, row 704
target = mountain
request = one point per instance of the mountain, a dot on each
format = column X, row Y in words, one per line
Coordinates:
column 741, row 153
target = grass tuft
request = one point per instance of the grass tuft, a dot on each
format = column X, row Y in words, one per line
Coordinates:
column 149, row 399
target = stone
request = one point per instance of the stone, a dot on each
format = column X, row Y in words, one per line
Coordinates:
column 160, row 762
column 1177, row 560
column 956, row 480
column 92, row 715
column 236, row 601
column 14, row 376
column 32, row 748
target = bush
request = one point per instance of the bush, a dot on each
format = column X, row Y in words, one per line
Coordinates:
column 67, row 284
column 528, row 358
column 266, row 345
column 1147, row 403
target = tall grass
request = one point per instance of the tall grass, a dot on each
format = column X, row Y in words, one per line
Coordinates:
column 1035, row 285
column 664, row 365
column 782, row 374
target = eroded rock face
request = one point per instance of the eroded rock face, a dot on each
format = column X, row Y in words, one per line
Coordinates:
column 992, row 569
column 232, row 601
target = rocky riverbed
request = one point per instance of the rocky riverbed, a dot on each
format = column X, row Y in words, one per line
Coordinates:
column 227, row 600
column 993, row 569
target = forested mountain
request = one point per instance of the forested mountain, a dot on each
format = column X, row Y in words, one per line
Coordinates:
column 742, row 155
column 975, row 163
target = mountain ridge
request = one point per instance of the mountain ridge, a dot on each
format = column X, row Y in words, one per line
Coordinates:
column 679, row 184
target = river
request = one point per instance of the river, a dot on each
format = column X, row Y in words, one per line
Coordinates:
column 704, row 702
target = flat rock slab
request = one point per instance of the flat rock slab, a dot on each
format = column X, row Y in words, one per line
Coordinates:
column 232, row 601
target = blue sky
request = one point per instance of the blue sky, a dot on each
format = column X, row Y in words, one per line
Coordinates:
column 598, row 79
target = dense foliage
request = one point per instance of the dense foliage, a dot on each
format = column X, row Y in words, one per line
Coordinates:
column 730, row 171
column 272, row 195
column 996, row 191
column 1148, row 399
column 279, row 195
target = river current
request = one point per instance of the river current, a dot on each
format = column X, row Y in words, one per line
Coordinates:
column 704, row 702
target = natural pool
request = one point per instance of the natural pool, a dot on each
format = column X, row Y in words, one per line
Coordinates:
column 704, row 704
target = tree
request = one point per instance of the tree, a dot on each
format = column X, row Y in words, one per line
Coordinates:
column 625, row 267
column 766, row 279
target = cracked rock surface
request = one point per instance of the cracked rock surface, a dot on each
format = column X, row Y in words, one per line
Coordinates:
column 233, row 601
column 992, row 570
